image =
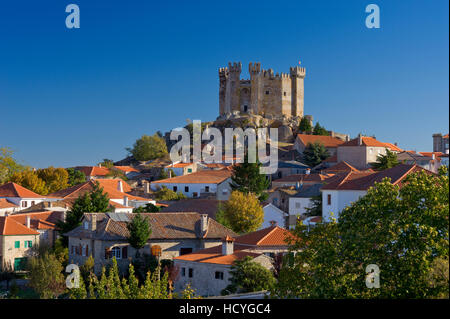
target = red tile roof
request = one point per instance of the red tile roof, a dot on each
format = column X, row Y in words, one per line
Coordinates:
column 93, row 170
column 270, row 236
column 303, row 177
column 327, row 141
column 213, row 255
column 331, row 159
column 393, row 147
column 14, row 190
column 370, row 141
column 5, row 204
column 339, row 168
column 365, row 180
column 126, row 169
column 9, row 226
column 39, row 220
column 430, row 154
column 177, row 165
column 200, row 177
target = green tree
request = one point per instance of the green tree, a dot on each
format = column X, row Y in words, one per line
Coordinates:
column 221, row 216
column 243, row 212
column 148, row 208
column 385, row 161
column 249, row 276
column 167, row 194
column 402, row 230
column 140, row 231
column 315, row 153
column 320, row 130
column 148, row 148
column 163, row 174
column 305, row 126
column 315, row 208
column 8, row 165
column 75, row 176
column 95, row 201
column 247, row 178
column 108, row 163
column 45, row 276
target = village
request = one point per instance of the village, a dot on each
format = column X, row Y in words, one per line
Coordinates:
column 204, row 223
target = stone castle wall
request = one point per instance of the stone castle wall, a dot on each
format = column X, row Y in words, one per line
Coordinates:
column 265, row 93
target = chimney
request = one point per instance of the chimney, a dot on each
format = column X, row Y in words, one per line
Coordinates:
column 120, row 185
column 228, row 246
column 93, row 223
column 100, row 165
column 146, row 187
column 28, row 220
column 50, row 204
column 204, row 223
column 359, row 139
column 125, row 200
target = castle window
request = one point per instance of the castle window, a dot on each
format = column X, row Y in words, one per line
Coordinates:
column 267, row 92
column 284, row 93
column 245, row 108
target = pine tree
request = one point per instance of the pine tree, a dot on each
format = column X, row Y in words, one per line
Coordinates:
column 305, row 126
column 140, row 231
column 247, row 178
column 385, row 161
column 315, row 153
column 320, row 130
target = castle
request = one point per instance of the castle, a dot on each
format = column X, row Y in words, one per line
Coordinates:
column 264, row 94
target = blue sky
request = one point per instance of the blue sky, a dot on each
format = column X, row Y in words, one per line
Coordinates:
column 74, row 97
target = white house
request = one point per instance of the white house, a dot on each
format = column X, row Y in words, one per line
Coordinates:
column 214, row 183
column 20, row 196
column 344, row 189
column 273, row 216
column 299, row 202
column 181, row 168
column 7, row 207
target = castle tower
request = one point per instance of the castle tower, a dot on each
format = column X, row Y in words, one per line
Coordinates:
column 234, row 85
column 297, row 90
column 223, row 78
column 255, row 86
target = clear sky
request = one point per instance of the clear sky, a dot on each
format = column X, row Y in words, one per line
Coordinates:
column 75, row 96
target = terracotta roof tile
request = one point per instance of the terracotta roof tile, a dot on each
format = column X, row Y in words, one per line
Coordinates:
column 5, row 204
column 327, row 141
column 200, row 177
column 339, row 168
column 126, row 169
column 270, row 236
column 93, row 170
column 9, row 226
column 14, row 190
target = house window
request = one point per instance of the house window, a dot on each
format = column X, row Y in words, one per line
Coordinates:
column 225, row 191
column 116, row 252
column 329, row 199
column 24, row 204
column 183, row 272
column 191, row 272
column 175, row 188
column 267, row 92
column 28, row 244
column 86, row 225
column 297, row 205
column 32, row 202
column 184, row 251
column 186, row 189
column 189, row 170
column 207, row 189
column 219, row 275
column 284, row 93
column 17, row 244
column 194, row 194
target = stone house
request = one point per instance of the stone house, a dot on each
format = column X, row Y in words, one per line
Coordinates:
column 360, row 152
column 208, row 270
column 329, row 142
column 104, row 235
column 20, row 232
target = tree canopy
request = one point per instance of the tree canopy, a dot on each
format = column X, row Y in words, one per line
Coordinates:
column 75, row 177
column 140, row 231
column 247, row 178
column 404, row 231
column 249, row 276
column 8, row 165
column 315, row 153
column 243, row 212
column 320, row 130
column 385, row 161
column 305, row 126
column 148, row 148
column 167, row 194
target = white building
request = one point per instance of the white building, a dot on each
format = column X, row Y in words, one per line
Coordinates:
column 347, row 188
column 20, row 196
column 179, row 168
column 299, row 202
column 273, row 216
column 202, row 183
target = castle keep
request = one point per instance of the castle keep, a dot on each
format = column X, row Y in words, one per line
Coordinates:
column 265, row 93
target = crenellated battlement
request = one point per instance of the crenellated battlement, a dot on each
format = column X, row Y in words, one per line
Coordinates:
column 265, row 93
column 235, row 67
column 298, row 71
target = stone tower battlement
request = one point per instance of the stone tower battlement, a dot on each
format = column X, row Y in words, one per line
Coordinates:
column 264, row 93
